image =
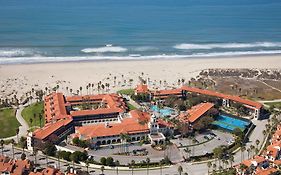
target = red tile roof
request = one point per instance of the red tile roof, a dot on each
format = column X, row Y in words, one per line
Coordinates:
column 220, row 95
column 48, row 171
column 56, row 114
column 167, row 92
column 94, row 112
column 50, row 128
column 195, row 112
column 259, row 159
column 111, row 100
column 128, row 126
column 14, row 167
column 55, row 107
column 267, row 171
column 277, row 162
column 164, row 123
column 142, row 88
column 272, row 151
column 248, row 163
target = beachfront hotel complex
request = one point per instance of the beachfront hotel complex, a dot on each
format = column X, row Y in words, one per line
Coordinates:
column 102, row 119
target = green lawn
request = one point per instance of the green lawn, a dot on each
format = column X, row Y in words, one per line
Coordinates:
column 8, row 123
column 126, row 91
column 28, row 113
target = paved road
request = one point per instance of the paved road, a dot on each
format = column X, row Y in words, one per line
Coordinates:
column 24, row 126
column 155, row 156
column 208, row 147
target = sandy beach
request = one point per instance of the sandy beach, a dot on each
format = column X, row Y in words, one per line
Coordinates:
column 19, row 79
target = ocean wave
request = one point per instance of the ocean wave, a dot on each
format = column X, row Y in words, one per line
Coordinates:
column 18, row 52
column 40, row 59
column 189, row 46
column 109, row 48
column 145, row 48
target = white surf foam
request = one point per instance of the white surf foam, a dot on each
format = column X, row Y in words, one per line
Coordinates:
column 189, row 46
column 17, row 52
column 40, row 59
column 144, row 48
column 108, row 48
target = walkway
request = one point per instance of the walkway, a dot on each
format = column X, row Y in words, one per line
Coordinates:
column 269, row 85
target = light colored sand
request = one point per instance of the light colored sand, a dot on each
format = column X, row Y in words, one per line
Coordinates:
column 21, row 78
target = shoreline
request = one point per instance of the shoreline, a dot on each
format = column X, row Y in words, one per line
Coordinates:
column 133, row 59
column 21, row 78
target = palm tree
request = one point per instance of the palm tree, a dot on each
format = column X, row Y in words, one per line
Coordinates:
column 248, row 151
column 180, row 169
column 102, row 169
column 193, row 147
column 13, row 144
column 87, row 87
column 92, row 87
column 215, row 166
column 34, row 116
column 226, row 163
column 17, row 132
column 117, row 163
column 257, row 143
column 58, row 158
column 209, row 164
column 147, row 162
column 35, row 151
column 30, row 120
column 80, row 89
column 223, row 162
column 132, row 166
column 160, row 164
column 243, row 148
column 2, row 146
column 87, row 165
column 40, row 119
column 47, row 161
column 231, row 159
column 252, row 147
column 264, row 133
column 124, row 138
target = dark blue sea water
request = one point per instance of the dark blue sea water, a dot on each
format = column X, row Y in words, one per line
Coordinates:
column 73, row 30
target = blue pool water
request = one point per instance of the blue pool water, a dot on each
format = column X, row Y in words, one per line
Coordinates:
column 230, row 123
column 163, row 112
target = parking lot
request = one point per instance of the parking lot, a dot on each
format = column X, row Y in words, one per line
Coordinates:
column 205, row 142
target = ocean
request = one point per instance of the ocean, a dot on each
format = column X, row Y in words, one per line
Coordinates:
column 34, row 31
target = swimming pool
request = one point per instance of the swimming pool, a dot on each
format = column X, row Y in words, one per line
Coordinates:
column 230, row 123
column 164, row 112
